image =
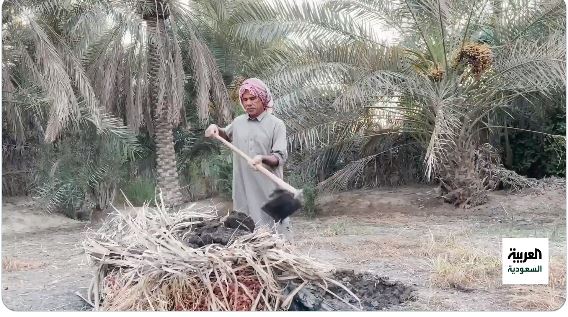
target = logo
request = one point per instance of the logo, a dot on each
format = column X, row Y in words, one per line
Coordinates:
column 525, row 260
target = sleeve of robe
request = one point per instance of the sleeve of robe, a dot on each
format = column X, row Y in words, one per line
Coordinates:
column 228, row 131
column 279, row 144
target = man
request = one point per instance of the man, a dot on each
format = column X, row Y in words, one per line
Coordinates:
column 261, row 136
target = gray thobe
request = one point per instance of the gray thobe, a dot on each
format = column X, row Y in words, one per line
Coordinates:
column 262, row 135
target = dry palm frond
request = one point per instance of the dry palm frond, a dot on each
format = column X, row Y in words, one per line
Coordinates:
column 234, row 88
column 11, row 264
column 512, row 180
column 342, row 178
column 143, row 264
column 201, row 69
column 446, row 128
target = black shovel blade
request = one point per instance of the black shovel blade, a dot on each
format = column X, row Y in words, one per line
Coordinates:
column 281, row 205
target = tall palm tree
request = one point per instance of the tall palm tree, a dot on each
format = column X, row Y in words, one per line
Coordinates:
column 165, row 36
column 452, row 67
column 166, row 79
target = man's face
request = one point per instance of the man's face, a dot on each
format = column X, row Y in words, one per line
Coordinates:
column 253, row 105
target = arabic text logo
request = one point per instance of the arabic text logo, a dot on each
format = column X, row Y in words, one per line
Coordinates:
column 525, row 260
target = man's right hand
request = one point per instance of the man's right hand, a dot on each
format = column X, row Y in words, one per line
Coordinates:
column 211, row 131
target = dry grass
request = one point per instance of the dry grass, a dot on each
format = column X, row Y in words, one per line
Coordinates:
column 10, row 264
column 460, row 265
column 143, row 264
column 542, row 297
column 343, row 226
column 557, row 273
column 535, row 297
column 338, row 228
column 380, row 248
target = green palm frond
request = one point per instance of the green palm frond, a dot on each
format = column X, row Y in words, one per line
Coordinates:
column 396, row 161
column 52, row 66
column 529, row 66
column 334, row 69
column 528, row 19
column 387, row 13
column 262, row 22
column 331, row 132
column 71, row 171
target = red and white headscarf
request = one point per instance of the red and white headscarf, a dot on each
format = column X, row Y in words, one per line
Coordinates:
column 258, row 88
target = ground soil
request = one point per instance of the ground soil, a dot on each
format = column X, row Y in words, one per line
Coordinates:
column 403, row 235
column 363, row 291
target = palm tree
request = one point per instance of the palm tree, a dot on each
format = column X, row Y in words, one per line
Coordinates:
column 165, row 37
column 134, row 59
column 452, row 68
column 50, row 108
column 38, row 61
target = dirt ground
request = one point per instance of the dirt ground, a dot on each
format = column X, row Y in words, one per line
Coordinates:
column 450, row 256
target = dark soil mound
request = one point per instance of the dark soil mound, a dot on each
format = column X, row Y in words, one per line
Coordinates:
column 239, row 220
column 375, row 293
column 220, row 231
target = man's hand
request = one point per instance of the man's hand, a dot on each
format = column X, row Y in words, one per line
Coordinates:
column 270, row 160
column 257, row 159
column 211, row 131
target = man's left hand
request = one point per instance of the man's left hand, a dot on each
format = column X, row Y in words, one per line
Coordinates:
column 255, row 161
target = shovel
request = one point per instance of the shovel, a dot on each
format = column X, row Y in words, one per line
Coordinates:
column 283, row 201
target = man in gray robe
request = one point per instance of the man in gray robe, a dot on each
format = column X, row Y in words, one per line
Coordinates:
column 262, row 136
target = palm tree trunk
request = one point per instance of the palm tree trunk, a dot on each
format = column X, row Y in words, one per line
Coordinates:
column 462, row 175
column 166, row 162
column 168, row 181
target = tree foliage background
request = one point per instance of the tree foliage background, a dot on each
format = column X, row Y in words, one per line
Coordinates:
column 104, row 97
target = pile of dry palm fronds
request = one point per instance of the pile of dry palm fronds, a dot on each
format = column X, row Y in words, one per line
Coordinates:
column 143, row 263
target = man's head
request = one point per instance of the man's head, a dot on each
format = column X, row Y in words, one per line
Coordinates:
column 252, row 104
column 255, row 97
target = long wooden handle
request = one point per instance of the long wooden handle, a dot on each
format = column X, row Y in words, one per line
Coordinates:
column 259, row 167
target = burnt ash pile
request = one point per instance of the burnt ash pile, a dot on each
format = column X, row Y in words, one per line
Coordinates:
column 375, row 293
column 236, row 224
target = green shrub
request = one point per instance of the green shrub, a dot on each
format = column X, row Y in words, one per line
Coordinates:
column 538, row 155
column 310, row 195
column 308, row 185
column 139, row 191
column 209, row 175
column 83, row 169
